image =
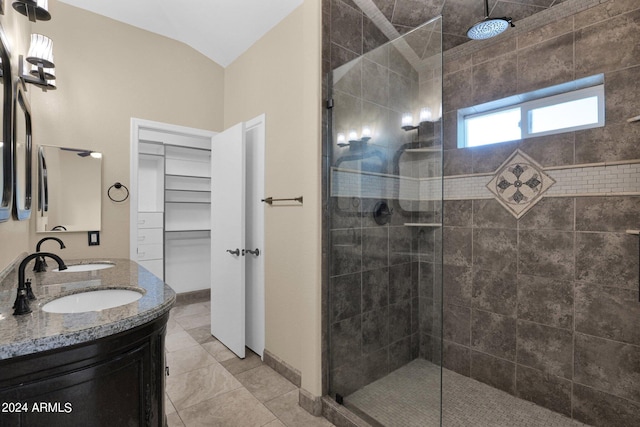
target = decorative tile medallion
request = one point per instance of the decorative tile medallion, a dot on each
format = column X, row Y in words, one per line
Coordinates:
column 519, row 183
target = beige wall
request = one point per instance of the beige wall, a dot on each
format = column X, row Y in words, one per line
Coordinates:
column 14, row 235
column 280, row 76
column 107, row 73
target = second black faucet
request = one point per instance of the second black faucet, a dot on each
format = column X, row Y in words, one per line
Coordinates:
column 40, row 264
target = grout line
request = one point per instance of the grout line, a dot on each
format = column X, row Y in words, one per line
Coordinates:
column 573, row 305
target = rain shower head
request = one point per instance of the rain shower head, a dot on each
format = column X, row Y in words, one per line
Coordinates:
column 488, row 27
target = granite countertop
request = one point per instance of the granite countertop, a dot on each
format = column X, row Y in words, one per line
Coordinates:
column 40, row 331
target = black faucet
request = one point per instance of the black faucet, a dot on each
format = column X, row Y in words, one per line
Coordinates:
column 21, row 305
column 41, row 264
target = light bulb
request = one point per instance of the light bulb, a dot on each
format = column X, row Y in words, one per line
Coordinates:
column 407, row 119
column 425, row 114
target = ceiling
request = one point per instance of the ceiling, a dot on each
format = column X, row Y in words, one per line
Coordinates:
column 458, row 15
column 219, row 29
column 223, row 29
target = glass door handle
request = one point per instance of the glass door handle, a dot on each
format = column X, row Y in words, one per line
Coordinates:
column 236, row 252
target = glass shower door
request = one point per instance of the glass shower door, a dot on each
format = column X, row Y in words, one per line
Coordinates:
column 385, row 238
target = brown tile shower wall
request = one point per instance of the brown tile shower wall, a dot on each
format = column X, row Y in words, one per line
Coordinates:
column 374, row 323
column 546, row 307
column 378, row 308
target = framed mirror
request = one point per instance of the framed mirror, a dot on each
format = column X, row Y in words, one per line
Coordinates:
column 69, row 189
column 6, row 156
column 21, row 155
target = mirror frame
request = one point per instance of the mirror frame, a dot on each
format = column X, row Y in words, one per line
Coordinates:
column 6, row 192
column 43, row 182
column 22, row 213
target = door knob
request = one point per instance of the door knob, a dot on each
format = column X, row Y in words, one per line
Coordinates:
column 256, row 252
column 236, row 252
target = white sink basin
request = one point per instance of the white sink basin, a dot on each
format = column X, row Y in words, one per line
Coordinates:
column 92, row 301
column 85, row 267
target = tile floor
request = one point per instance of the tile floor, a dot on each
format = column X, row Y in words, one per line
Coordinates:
column 410, row 397
column 209, row 386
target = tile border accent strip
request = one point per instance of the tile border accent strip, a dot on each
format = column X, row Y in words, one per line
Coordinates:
column 596, row 179
column 611, row 179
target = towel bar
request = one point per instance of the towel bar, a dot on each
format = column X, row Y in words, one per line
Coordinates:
column 270, row 200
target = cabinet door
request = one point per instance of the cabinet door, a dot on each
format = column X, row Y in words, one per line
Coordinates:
column 227, row 236
column 116, row 392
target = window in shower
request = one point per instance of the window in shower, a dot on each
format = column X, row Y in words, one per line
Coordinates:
column 562, row 108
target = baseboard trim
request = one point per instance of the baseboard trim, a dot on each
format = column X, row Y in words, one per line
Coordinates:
column 310, row 403
column 186, row 298
column 283, row 368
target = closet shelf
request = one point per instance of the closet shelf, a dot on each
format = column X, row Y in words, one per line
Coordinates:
column 187, row 203
column 185, row 190
column 185, row 230
column 184, row 148
column 187, row 176
column 151, row 154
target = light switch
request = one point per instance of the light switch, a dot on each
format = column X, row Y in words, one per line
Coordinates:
column 94, row 238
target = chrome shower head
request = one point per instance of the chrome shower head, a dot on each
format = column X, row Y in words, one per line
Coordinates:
column 488, row 27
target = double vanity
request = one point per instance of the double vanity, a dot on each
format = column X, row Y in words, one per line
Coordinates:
column 90, row 352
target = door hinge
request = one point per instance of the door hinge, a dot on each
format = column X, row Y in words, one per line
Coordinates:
column 329, row 103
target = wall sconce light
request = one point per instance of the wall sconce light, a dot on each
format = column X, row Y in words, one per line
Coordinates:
column 40, row 56
column 35, row 10
column 354, row 141
column 407, row 122
column 425, row 116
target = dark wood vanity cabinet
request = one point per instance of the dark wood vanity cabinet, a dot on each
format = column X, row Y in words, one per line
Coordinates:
column 118, row 380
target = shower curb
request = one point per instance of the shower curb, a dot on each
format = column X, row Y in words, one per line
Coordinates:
column 339, row 415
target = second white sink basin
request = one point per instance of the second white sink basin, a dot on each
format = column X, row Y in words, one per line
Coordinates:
column 85, row 267
column 95, row 300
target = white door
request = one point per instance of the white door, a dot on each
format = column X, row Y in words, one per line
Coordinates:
column 228, row 238
column 255, row 151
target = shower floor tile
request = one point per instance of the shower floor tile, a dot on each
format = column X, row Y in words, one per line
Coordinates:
column 401, row 400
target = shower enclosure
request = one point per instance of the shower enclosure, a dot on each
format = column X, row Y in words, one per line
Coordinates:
column 385, row 232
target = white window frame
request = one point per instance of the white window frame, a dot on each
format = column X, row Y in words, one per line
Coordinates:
column 536, row 99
